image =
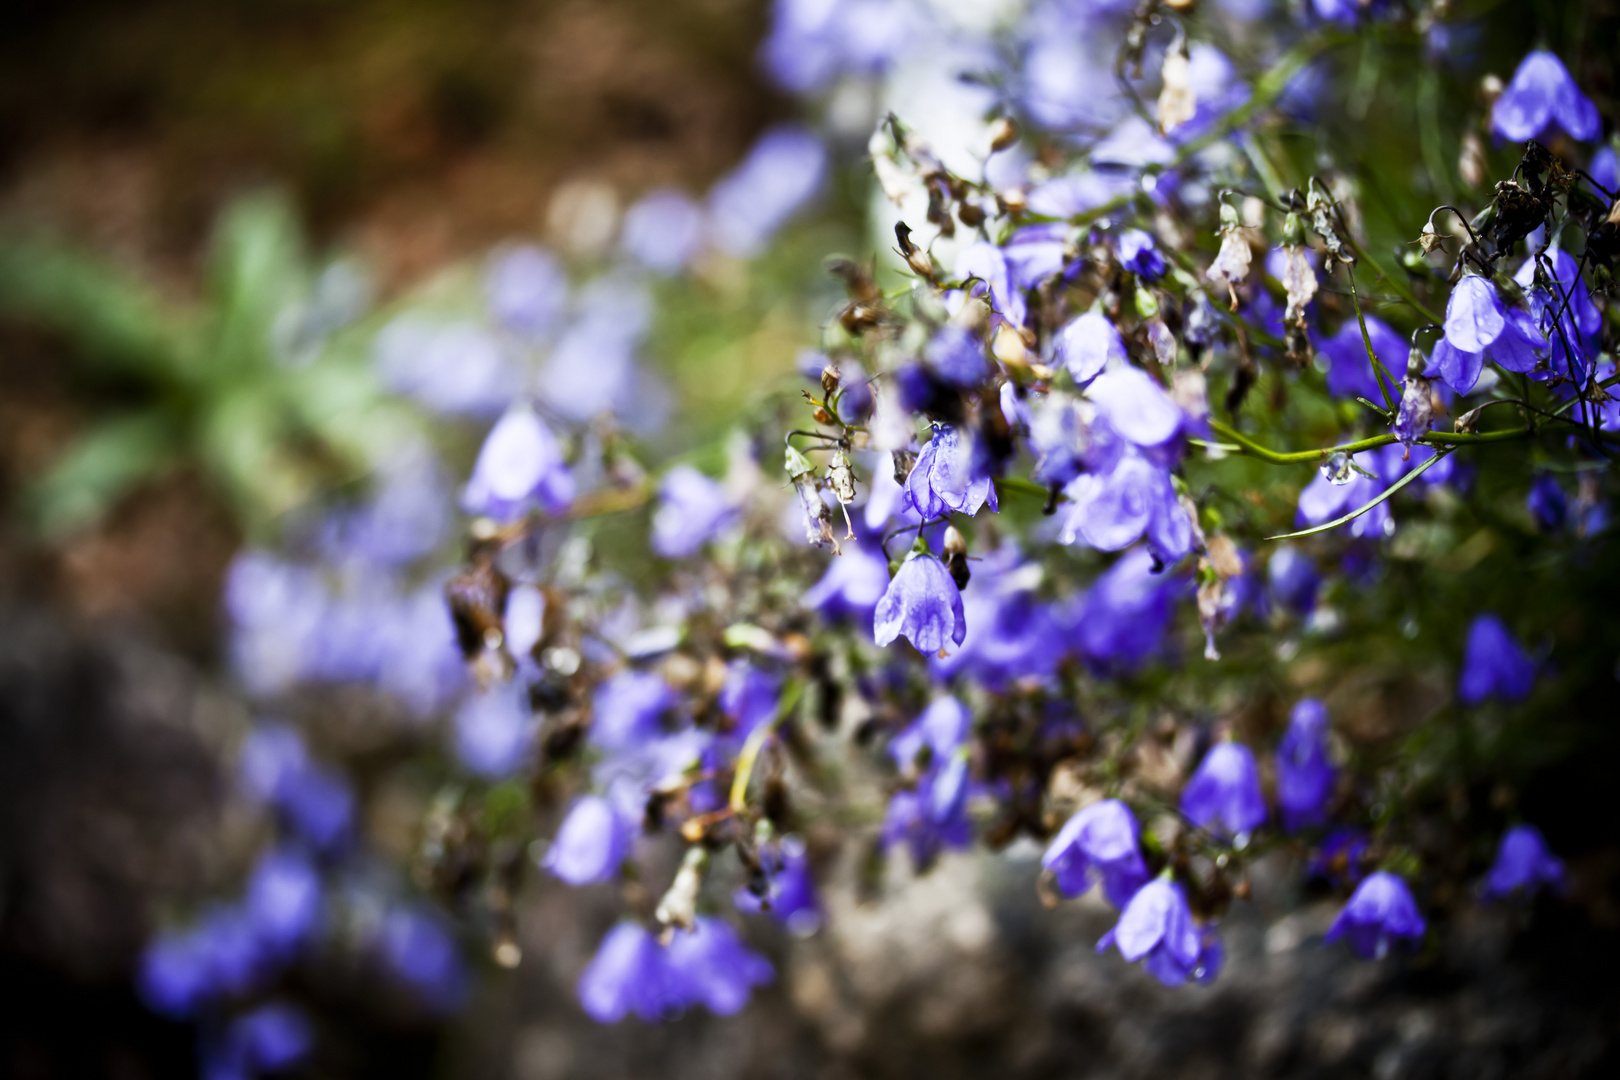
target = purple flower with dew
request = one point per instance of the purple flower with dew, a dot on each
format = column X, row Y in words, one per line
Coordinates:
column 1542, row 94
column 1111, row 511
column 630, row 973
column 520, row 466
column 1494, row 664
column 790, row 892
column 1157, row 928
column 1140, row 255
column 753, row 201
column 852, row 586
column 591, row 843
column 1475, row 319
column 749, row 696
column 1121, row 620
column 527, row 290
column 271, row 1039
column 1136, row 406
column 933, row 816
column 923, row 604
column 1523, row 865
column 1088, row 346
column 1099, row 843
column 692, row 509
column 1035, row 253
column 494, row 732
column 1224, row 792
column 417, row 948
column 284, row 898
column 1380, row 911
column 1349, row 372
column 711, row 966
column 663, row 231
column 1304, row 774
column 1291, row 578
column 628, row 707
column 276, row 610
column 1547, row 504
column 942, row 727
column 1323, row 500
column 957, row 357
column 457, row 369
column 945, row 478
column 987, row 263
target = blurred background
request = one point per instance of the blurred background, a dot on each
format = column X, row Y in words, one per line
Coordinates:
column 231, row 232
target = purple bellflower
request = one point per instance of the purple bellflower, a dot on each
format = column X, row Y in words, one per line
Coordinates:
column 1157, row 928
column 457, row 369
column 526, row 290
column 284, row 898
column 1326, row 498
column 753, row 201
column 630, row 973
column 1523, row 865
column 1121, row 620
column 942, row 727
column 494, row 731
column 1112, row 510
column 988, row 263
column 1225, row 791
column 1338, row 859
column 174, row 976
column 934, row 815
column 271, row 1039
column 1136, row 406
column 627, row 707
column 947, row 479
column 1475, row 318
column 1098, row 843
column 1349, row 371
column 712, row 967
column 1550, row 325
column 749, row 697
column 590, row 844
column 1379, row 911
column 1291, row 578
column 1088, row 346
column 957, row 357
column 1547, row 504
column 790, row 893
column 692, row 509
column 519, row 466
column 418, row 949
column 1304, row 775
column 1057, row 438
column 852, row 585
column 1543, row 93
column 1139, row 254
column 923, row 604
column 1494, row 664
column 663, row 231
column 1036, row 252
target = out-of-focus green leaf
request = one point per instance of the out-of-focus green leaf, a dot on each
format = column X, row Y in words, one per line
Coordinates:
column 257, row 270
column 99, row 469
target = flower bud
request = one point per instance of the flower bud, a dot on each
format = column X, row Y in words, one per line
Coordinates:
column 1003, row 133
column 956, row 560
column 829, row 379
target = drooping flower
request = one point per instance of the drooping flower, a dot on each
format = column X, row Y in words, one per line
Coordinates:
column 1568, row 334
column 1099, row 842
column 418, row 948
column 1547, row 503
column 1225, row 790
column 1157, row 928
column 663, row 231
column 923, row 604
column 591, row 843
column 519, row 466
column 947, row 479
column 1475, row 319
column 1380, row 911
column 527, row 290
column 1291, row 578
column 1139, row 254
column 710, row 966
column 957, row 357
column 852, row 585
column 1136, row 406
column 1121, row 620
column 933, row 816
column 1494, row 664
column 1523, row 865
column 1110, row 511
column 284, row 898
column 1415, row 414
column 1331, row 495
column 779, row 175
column 629, row 973
column 790, row 891
column 942, row 727
column 494, row 731
column 1299, row 281
column 1089, row 345
column 1304, row 774
column 1350, row 371
column 692, row 509
column 1541, row 94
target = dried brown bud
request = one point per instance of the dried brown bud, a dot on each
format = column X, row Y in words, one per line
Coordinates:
column 1003, row 133
column 829, row 379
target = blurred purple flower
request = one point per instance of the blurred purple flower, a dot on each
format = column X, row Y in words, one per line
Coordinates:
column 520, row 465
column 494, row 731
column 1121, row 620
column 1088, row 346
column 852, row 586
column 284, row 898
column 527, row 290
column 629, row 973
column 1292, row 579
column 1098, row 843
column 458, row 369
column 933, row 816
column 811, row 42
column 957, row 357
column 749, row 697
column 1225, row 791
column 590, row 844
column 664, row 230
column 1380, row 911
column 692, row 509
column 1035, row 253
column 1547, row 503
column 987, row 263
column 1139, row 254
column 1110, row 511
column 753, row 201
column 711, row 966
column 1494, row 665
column 419, row 950
column 1304, row 774
column 1157, row 928
column 1541, row 94
column 1523, row 865
column 1349, row 370
column 271, row 1039
column 790, row 895
column 1136, row 406
column 942, row 727
column 627, row 708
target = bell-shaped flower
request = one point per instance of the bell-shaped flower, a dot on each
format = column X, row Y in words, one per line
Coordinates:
column 923, row 604
column 942, row 727
column 1564, row 328
column 627, row 707
column 1494, row 664
column 781, row 173
column 1121, row 620
column 692, row 509
column 946, row 478
column 1350, row 371
column 749, row 696
column 957, row 357
column 418, row 948
column 1036, row 252
column 520, row 466
column 630, row 973
column 852, row 585
column 1057, row 438
column 663, row 231
column 1547, row 503
column 1415, row 414
column 710, row 966
column 591, row 843
column 494, row 731
column 933, row 816
column 1332, row 494
column 284, row 898
column 1379, row 911
column 1111, row 511
column 272, row 1038
column 790, row 891
column 1304, row 774
column 1224, row 792
column 1475, row 318
column 1157, row 928
column 1292, row 579
column 1088, row 346
column 1139, row 254
column 1523, row 865
column 1541, row 94
column 527, row 290
column 1136, row 406
column 1098, row 843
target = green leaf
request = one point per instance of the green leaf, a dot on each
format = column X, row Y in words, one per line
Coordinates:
column 102, row 467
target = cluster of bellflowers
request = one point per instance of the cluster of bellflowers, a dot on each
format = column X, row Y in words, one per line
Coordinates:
column 935, row 596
